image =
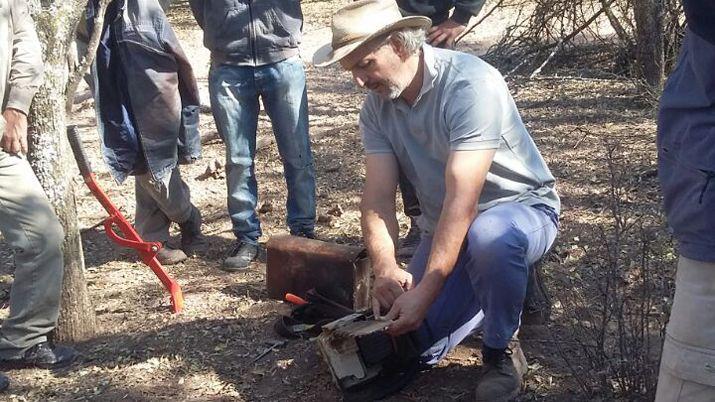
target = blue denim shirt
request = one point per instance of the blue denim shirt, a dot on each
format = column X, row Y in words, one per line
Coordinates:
column 146, row 97
column 686, row 148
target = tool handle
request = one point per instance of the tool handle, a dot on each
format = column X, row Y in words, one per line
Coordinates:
column 294, row 299
column 76, row 144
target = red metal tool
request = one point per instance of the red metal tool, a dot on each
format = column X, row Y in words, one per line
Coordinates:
column 296, row 300
column 147, row 250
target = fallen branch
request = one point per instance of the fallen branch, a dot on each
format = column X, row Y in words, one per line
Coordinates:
column 548, row 59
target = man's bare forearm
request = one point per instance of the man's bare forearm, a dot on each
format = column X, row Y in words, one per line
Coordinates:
column 380, row 231
column 465, row 175
column 455, row 219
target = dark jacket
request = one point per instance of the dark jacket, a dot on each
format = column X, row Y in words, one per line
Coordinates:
column 146, row 97
column 249, row 32
column 438, row 10
column 686, row 138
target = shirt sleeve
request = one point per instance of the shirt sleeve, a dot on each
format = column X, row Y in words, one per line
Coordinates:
column 466, row 9
column 197, row 9
column 26, row 65
column 373, row 138
column 475, row 114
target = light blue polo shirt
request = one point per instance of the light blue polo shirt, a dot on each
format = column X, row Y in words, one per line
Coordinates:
column 464, row 105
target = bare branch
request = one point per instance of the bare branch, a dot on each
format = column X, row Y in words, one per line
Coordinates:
column 88, row 58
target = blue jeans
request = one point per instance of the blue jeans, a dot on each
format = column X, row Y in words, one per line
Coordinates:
column 234, row 102
column 487, row 287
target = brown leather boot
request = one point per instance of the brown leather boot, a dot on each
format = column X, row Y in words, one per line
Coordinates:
column 170, row 256
column 502, row 374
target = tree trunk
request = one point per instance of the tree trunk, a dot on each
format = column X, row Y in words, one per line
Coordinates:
column 51, row 159
column 650, row 56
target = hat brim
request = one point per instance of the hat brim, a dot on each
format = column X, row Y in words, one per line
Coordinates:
column 326, row 55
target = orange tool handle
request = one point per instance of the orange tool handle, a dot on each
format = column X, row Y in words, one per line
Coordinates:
column 293, row 299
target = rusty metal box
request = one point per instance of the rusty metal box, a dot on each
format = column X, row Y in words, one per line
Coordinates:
column 296, row 265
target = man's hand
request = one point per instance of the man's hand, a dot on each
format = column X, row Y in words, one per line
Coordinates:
column 444, row 34
column 408, row 311
column 14, row 139
column 388, row 286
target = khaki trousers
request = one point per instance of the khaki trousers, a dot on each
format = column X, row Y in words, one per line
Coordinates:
column 30, row 226
column 159, row 205
column 687, row 365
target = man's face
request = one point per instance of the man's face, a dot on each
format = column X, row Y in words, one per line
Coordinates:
column 380, row 71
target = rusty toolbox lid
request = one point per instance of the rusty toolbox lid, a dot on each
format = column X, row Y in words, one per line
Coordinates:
column 316, row 248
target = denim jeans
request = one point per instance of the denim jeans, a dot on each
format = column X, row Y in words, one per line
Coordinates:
column 235, row 91
column 487, row 286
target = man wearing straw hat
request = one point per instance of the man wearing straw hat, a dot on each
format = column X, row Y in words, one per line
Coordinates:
column 488, row 199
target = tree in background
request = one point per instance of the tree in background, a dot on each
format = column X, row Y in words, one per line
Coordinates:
column 51, row 158
column 650, row 43
column 642, row 37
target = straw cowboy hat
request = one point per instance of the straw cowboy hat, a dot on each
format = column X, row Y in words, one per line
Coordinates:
column 361, row 21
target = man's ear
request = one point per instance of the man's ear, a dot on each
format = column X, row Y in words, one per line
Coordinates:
column 398, row 48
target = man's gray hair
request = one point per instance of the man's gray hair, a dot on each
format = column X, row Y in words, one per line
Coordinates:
column 409, row 39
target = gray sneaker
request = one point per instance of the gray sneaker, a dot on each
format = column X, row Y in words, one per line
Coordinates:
column 502, row 375
column 241, row 257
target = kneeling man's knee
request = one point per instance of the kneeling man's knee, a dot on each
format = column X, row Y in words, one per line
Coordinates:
column 493, row 239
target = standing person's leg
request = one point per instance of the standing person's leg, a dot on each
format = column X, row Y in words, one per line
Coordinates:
column 410, row 202
column 234, row 103
column 150, row 222
column 411, row 206
column 158, row 206
column 285, row 97
column 687, row 365
column 29, row 225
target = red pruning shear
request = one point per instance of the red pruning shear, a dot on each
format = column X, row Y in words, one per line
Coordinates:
column 147, row 250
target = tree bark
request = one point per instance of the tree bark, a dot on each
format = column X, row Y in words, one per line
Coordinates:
column 51, row 159
column 650, row 56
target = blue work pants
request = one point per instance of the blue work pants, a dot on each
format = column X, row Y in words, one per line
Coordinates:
column 487, row 286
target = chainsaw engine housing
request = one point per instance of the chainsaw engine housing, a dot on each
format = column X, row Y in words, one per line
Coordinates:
column 358, row 348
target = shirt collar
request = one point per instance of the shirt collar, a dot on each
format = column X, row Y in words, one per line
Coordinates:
column 429, row 73
column 429, row 76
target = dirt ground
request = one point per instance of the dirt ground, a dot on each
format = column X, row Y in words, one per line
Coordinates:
column 143, row 353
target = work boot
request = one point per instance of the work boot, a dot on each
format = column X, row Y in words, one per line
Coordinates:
column 241, row 257
column 42, row 355
column 192, row 239
column 169, row 255
column 409, row 243
column 502, row 373
column 307, row 233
